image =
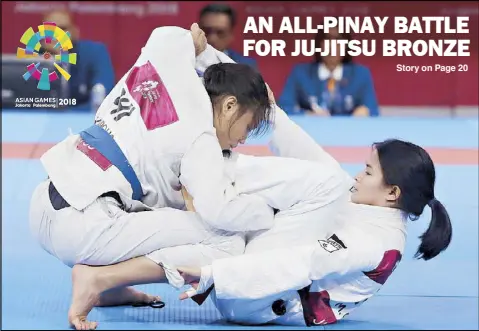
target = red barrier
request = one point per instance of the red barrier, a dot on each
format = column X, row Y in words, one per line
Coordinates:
column 125, row 26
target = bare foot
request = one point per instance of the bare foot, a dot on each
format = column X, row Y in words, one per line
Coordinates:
column 86, row 295
column 125, row 296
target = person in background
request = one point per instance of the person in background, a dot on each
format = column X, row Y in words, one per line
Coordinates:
column 331, row 85
column 218, row 22
column 92, row 77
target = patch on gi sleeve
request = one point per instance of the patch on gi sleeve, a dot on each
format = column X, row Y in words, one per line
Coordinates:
column 147, row 89
column 332, row 244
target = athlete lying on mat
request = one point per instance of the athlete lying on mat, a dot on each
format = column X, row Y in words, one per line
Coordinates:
column 323, row 278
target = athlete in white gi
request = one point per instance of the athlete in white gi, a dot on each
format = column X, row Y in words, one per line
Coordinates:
column 317, row 279
column 159, row 120
column 169, row 141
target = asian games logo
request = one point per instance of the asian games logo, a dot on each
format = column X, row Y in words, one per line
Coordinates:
column 49, row 32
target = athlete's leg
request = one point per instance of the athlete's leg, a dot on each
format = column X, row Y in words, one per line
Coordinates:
column 104, row 234
column 159, row 266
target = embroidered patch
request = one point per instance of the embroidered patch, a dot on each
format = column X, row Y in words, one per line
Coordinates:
column 149, row 92
column 332, row 244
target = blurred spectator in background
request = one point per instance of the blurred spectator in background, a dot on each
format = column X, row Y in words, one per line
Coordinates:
column 330, row 85
column 92, row 78
column 218, row 22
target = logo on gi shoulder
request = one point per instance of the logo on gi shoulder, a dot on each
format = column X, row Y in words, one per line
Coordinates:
column 332, row 244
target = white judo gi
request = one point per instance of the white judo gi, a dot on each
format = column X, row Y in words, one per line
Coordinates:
column 160, row 118
column 295, row 274
column 294, row 187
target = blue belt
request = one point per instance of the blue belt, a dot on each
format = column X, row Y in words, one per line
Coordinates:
column 104, row 143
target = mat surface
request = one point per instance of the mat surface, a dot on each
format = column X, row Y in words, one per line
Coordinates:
column 442, row 293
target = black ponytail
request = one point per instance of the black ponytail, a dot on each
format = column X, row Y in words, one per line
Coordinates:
column 439, row 233
column 410, row 167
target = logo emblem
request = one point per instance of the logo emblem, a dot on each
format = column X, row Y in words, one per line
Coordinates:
column 49, row 32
